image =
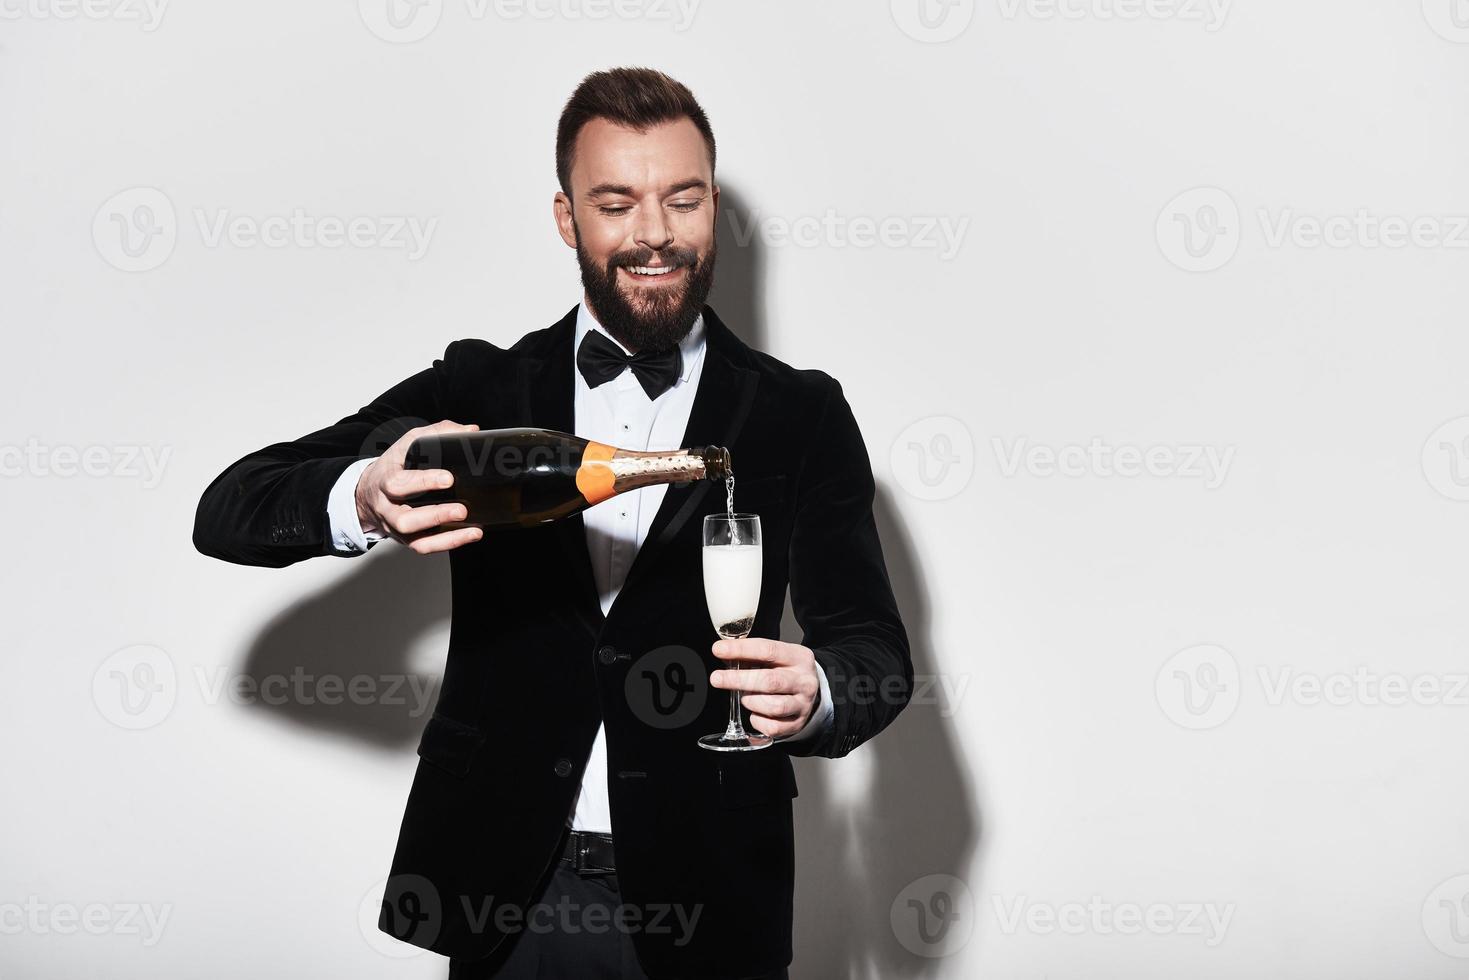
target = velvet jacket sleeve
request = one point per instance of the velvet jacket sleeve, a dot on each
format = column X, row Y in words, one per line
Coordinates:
column 840, row 591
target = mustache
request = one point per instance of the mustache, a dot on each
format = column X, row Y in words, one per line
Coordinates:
column 674, row 256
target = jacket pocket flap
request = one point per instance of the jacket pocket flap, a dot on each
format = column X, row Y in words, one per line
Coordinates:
column 451, row 745
column 744, row 782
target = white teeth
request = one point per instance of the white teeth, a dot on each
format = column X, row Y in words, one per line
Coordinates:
column 648, row 270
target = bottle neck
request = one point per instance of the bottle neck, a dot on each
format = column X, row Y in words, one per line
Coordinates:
column 606, row 471
column 634, row 469
column 717, row 465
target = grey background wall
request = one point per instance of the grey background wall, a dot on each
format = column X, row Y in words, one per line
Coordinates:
column 1153, row 317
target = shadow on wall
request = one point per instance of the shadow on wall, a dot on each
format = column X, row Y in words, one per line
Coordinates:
column 854, row 856
column 365, row 624
column 918, row 816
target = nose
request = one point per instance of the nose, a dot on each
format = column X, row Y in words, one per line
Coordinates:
column 653, row 230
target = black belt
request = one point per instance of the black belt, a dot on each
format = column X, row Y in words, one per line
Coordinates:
column 589, row 853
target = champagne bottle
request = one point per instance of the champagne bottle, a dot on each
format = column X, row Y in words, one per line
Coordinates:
column 524, row 477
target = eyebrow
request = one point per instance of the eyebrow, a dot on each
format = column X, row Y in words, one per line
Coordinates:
column 623, row 189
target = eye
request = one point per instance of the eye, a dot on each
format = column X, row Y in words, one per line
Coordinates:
column 686, row 206
column 614, row 210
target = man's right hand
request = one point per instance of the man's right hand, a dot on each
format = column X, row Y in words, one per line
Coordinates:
column 383, row 486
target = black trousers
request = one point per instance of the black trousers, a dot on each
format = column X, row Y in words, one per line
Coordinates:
column 563, row 940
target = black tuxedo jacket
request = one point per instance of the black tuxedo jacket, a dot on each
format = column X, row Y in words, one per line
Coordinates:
column 533, row 666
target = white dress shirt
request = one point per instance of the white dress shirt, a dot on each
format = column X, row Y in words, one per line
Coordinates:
column 616, row 413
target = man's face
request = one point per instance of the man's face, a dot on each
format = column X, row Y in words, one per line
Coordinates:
column 641, row 218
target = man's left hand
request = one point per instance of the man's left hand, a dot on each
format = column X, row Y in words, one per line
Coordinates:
column 780, row 680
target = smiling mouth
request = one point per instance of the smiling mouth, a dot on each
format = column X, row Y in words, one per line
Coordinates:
column 653, row 273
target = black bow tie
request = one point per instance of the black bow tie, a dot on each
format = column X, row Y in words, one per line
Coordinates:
column 600, row 360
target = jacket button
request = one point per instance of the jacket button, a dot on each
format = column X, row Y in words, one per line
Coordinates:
column 300, row 528
column 275, row 535
column 607, row 654
column 563, row 767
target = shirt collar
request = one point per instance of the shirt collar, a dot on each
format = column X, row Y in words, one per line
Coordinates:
column 691, row 348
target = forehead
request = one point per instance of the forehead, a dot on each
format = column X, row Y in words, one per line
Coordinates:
column 607, row 153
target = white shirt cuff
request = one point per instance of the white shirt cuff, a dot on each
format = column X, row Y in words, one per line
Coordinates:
column 345, row 531
column 820, row 718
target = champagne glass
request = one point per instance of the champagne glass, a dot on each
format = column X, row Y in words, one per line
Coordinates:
column 732, row 591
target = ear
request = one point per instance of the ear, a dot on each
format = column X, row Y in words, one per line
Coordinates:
column 565, row 222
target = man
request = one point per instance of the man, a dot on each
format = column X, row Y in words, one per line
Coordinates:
column 563, row 821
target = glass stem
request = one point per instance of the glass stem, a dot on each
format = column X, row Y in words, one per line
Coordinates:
column 736, row 728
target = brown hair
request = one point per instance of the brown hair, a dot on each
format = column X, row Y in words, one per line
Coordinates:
column 637, row 98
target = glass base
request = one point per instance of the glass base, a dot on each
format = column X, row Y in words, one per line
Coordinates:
column 740, row 743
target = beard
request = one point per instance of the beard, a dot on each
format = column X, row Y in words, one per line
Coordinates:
column 658, row 318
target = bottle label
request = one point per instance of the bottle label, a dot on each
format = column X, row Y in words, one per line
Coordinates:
column 595, row 477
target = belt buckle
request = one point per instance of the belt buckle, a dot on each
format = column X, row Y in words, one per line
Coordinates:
column 579, row 861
